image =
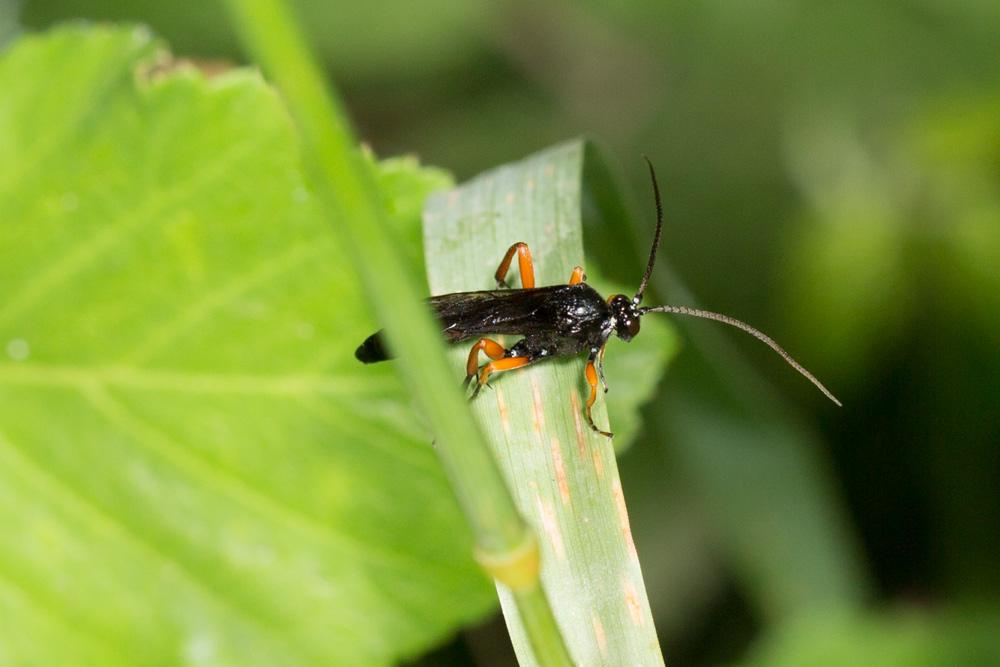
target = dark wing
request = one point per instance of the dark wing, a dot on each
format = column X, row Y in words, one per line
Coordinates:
column 514, row 311
column 565, row 311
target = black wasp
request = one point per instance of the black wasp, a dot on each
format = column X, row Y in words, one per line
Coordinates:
column 556, row 321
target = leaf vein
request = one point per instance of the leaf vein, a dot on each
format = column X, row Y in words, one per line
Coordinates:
column 82, row 505
column 188, row 382
column 42, row 600
column 221, row 297
column 154, row 438
column 58, row 270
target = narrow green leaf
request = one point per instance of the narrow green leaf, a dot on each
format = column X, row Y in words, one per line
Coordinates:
column 193, row 466
column 563, row 475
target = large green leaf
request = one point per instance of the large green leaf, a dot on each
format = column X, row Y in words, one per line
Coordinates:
column 193, row 466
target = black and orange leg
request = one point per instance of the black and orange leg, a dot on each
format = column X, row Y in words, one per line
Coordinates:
column 505, row 364
column 524, row 265
column 591, row 373
column 578, row 276
column 493, row 350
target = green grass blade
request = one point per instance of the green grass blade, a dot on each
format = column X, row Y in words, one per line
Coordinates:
column 564, row 476
column 345, row 188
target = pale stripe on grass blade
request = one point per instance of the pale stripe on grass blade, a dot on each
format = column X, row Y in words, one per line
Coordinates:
column 564, row 477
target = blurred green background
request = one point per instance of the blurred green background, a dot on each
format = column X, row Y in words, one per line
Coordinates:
column 832, row 175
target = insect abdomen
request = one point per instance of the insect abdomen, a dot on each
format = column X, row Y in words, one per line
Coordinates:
column 372, row 350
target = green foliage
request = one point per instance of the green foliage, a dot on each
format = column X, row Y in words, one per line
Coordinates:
column 194, row 467
column 841, row 194
column 759, row 485
column 343, row 32
column 902, row 267
column 913, row 638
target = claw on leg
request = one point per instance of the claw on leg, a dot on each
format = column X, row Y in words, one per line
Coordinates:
column 493, row 350
column 505, row 364
column 524, row 266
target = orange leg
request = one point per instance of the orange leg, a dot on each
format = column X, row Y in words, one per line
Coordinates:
column 506, row 364
column 524, row 265
column 591, row 373
column 493, row 350
column 578, row 276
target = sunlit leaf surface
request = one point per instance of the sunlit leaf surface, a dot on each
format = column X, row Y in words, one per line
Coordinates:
column 194, row 469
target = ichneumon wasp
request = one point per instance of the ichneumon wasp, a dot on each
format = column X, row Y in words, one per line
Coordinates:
column 555, row 321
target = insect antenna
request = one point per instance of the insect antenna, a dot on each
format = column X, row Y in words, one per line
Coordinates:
column 656, row 237
column 759, row 335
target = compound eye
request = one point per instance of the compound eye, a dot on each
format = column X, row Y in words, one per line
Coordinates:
column 633, row 326
column 628, row 326
column 620, row 304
